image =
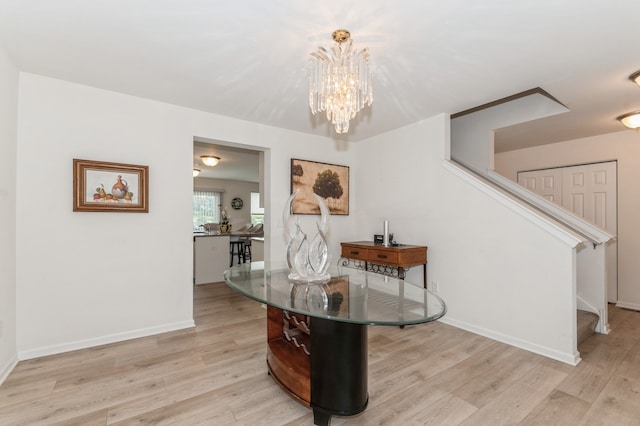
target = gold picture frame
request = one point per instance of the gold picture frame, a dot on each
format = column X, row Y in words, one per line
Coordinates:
column 100, row 186
column 329, row 181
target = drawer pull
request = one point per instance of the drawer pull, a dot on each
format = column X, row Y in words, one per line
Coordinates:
column 382, row 256
column 355, row 252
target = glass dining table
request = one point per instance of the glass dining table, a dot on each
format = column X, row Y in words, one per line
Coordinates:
column 317, row 332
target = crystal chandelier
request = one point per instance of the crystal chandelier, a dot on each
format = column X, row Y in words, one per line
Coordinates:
column 340, row 81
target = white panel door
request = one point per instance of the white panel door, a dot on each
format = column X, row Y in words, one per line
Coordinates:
column 546, row 183
column 588, row 191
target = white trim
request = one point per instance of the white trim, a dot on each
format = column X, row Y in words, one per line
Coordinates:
column 571, row 359
column 604, row 328
column 634, row 306
column 583, row 305
column 560, row 232
column 112, row 338
column 4, row 373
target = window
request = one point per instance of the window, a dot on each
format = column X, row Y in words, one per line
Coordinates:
column 257, row 212
column 206, row 208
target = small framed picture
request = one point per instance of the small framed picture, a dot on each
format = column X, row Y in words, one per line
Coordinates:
column 100, row 186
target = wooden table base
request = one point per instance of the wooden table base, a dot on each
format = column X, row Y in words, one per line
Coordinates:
column 332, row 378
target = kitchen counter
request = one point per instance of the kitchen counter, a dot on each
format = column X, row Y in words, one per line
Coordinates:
column 204, row 234
column 210, row 257
column 257, row 249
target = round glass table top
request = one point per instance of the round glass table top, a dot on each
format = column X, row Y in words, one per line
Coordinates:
column 351, row 295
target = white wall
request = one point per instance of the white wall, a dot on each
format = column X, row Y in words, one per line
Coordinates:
column 472, row 138
column 90, row 278
column 8, row 122
column 232, row 189
column 623, row 146
column 486, row 257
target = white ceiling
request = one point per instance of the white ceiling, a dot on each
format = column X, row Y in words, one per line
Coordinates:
column 235, row 163
column 247, row 58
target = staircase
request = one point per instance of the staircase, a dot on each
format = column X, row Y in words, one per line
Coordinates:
column 586, row 325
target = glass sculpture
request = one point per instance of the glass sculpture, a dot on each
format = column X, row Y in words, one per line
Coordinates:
column 307, row 259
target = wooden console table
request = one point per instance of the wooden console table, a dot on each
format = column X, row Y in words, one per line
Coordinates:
column 399, row 258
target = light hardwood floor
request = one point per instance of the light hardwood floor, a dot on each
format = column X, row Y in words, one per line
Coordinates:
column 435, row 374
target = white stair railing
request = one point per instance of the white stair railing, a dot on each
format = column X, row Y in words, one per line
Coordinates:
column 591, row 283
column 576, row 223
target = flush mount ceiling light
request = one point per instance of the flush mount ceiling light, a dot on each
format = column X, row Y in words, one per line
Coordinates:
column 340, row 81
column 631, row 119
column 196, row 172
column 635, row 77
column 210, row 160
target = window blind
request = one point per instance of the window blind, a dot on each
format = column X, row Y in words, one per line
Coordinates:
column 206, row 207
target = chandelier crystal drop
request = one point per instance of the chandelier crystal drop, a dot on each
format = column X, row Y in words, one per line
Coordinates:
column 340, row 81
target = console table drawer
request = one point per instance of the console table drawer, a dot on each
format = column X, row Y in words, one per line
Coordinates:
column 355, row 253
column 382, row 256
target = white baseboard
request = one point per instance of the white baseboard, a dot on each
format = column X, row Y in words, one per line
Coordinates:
column 634, row 306
column 112, row 338
column 7, row 369
column 568, row 358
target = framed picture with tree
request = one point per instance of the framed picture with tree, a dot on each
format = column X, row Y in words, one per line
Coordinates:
column 329, row 181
